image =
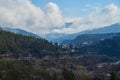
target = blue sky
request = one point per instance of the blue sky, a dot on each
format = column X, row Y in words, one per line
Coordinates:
column 77, row 8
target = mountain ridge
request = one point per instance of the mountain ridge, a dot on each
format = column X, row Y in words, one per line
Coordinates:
column 19, row 45
column 89, row 38
column 20, row 31
column 115, row 28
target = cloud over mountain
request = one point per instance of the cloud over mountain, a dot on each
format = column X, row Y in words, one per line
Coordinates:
column 101, row 17
column 24, row 14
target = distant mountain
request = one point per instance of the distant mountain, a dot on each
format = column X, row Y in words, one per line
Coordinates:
column 20, row 31
column 0, row 28
column 109, row 47
column 68, row 24
column 88, row 39
column 115, row 28
column 55, row 36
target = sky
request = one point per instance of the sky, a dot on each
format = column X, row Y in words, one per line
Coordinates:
column 77, row 8
column 45, row 17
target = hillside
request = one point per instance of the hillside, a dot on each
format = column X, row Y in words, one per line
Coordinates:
column 110, row 47
column 19, row 45
column 88, row 39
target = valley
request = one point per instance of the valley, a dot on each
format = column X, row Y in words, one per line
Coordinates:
column 59, row 39
column 80, row 61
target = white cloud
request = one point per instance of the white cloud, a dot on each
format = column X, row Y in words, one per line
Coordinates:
column 99, row 18
column 54, row 14
column 23, row 14
column 112, row 12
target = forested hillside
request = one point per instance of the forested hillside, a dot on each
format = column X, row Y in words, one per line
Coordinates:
column 19, row 45
column 110, row 47
column 88, row 39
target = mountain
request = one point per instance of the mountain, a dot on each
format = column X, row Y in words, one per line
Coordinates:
column 68, row 24
column 18, row 45
column 20, row 31
column 109, row 47
column 88, row 39
column 55, row 37
column 115, row 28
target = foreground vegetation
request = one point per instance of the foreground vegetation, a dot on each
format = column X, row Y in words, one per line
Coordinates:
column 17, row 70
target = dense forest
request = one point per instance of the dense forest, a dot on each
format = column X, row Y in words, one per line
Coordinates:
column 19, row 45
